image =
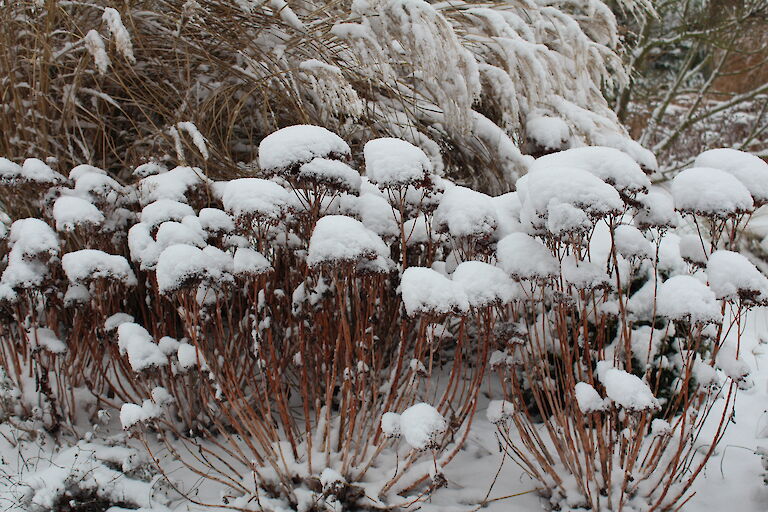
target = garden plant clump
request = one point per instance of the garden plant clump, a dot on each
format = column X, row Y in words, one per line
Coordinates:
column 311, row 336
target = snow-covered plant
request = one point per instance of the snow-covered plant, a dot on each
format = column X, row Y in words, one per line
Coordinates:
column 478, row 86
column 302, row 327
column 626, row 335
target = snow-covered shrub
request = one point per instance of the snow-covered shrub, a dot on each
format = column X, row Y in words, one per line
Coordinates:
column 303, row 327
column 280, row 316
column 629, row 331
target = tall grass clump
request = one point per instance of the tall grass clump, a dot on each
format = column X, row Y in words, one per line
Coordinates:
column 478, row 86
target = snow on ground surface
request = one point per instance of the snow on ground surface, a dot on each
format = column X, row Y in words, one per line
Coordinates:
column 732, row 480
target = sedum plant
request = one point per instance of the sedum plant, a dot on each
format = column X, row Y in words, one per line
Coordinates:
column 308, row 336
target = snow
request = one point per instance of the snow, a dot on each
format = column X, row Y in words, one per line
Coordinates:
column 564, row 219
column 657, row 211
column 215, row 221
column 32, row 171
column 172, row 185
column 197, row 138
column 98, row 185
column 508, row 214
column 484, row 284
column 32, row 244
column 330, row 478
column 612, row 166
column 70, row 212
column 292, row 146
column 32, row 237
column 95, row 46
column 171, row 233
column 421, row 426
column 731, row 365
column 708, row 191
column 46, row 339
column 137, row 343
column 378, row 215
column 189, row 356
column 149, row 169
column 338, row 238
column 749, row 169
column 631, row 243
column 250, row 262
column 164, row 210
column 142, row 246
column 77, row 295
column 116, row 320
column 547, row 131
column 80, row 170
column 499, row 411
column 625, row 389
column 418, row 230
column 84, row 468
column 524, row 257
column 179, row 265
column 119, row 33
column 694, row 250
column 570, row 185
column 256, row 197
column 464, row 212
column 168, row 346
column 331, row 173
column 131, row 414
column 427, row 291
column 87, row 265
column 390, row 425
column 585, row 275
column 589, row 399
column 732, row 276
column 395, row 163
column 682, row 297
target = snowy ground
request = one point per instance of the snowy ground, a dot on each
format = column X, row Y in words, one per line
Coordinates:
column 731, row 481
